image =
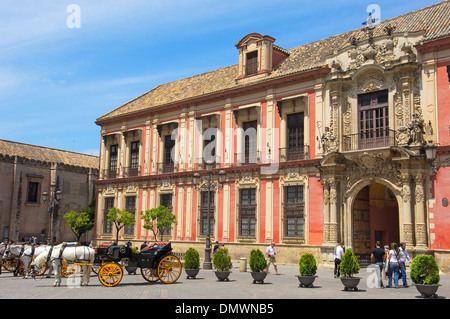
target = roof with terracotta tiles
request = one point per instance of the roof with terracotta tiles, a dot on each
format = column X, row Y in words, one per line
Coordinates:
column 434, row 21
column 49, row 155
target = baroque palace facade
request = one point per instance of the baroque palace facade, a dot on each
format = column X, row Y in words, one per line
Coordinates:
column 322, row 143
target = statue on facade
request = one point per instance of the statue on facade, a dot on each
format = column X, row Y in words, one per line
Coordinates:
column 416, row 131
column 329, row 142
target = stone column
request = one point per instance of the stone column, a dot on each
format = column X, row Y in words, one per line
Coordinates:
column 148, row 136
column 407, row 229
column 326, row 212
column 155, row 142
column 419, row 210
column 334, row 237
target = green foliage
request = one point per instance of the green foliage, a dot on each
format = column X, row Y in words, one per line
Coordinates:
column 307, row 265
column 349, row 264
column 120, row 218
column 424, row 270
column 257, row 261
column 158, row 219
column 191, row 259
column 221, row 260
column 79, row 223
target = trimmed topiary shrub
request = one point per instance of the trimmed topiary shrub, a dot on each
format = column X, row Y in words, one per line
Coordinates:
column 221, row 260
column 191, row 259
column 257, row 261
column 307, row 265
column 424, row 270
column 349, row 265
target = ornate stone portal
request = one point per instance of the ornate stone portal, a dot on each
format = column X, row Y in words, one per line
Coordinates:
column 344, row 175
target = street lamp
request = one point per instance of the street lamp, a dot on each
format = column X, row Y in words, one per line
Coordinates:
column 54, row 197
column 208, row 186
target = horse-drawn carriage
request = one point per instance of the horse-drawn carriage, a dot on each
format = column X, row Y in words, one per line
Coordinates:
column 155, row 263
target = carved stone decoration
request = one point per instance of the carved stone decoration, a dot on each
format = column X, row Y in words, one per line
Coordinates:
column 406, row 193
column 407, row 233
column 416, row 131
column 368, row 165
column 329, row 142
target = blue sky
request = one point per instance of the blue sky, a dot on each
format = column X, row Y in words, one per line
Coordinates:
column 55, row 81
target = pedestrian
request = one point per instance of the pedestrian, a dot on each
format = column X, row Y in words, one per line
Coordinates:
column 338, row 253
column 270, row 253
column 393, row 257
column 403, row 257
column 216, row 247
column 378, row 257
column 386, row 262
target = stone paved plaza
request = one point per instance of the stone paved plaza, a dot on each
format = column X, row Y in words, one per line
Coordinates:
column 206, row 286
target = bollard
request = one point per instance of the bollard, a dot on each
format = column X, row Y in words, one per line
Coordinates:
column 243, row 264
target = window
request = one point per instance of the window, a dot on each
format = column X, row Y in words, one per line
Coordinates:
column 373, row 120
column 113, row 161
column 247, row 212
column 295, row 136
column 250, row 148
column 166, row 200
column 169, row 144
column 33, row 191
column 293, row 211
column 134, row 159
column 107, row 225
column 252, row 63
column 204, row 213
column 448, row 72
column 130, row 205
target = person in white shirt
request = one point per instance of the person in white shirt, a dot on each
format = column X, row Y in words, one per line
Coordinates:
column 403, row 257
column 393, row 258
column 338, row 253
column 270, row 253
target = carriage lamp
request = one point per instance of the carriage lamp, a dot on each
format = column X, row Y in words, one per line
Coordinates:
column 430, row 151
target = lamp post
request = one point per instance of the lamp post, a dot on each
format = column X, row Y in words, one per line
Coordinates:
column 53, row 198
column 208, row 186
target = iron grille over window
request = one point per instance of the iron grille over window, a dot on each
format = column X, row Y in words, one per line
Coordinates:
column 205, row 212
column 250, row 148
column 169, row 144
column 113, row 161
column 295, row 136
column 33, row 188
column 134, row 159
column 247, row 212
column 166, row 200
column 373, row 120
column 294, row 211
column 107, row 225
column 252, row 63
column 130, row 206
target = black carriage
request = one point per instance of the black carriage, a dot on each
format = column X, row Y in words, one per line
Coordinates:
column 156, row 263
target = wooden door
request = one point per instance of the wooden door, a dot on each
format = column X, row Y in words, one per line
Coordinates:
column 361, row 227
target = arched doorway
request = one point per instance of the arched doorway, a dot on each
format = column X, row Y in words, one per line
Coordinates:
column 375, row 216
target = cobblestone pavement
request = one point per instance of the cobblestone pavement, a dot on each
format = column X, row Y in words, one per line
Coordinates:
column 206, row 286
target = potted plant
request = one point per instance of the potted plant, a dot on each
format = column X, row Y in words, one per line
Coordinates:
column 258, row 265
column 191, row 263
column 425, row 274
column 307, row 268
column 222, row 264
column 348, row 267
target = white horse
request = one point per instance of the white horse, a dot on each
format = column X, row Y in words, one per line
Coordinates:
column 79, row 254
column 26, row 254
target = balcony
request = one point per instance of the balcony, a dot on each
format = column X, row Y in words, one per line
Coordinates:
column 294, row 153
column 369, row 139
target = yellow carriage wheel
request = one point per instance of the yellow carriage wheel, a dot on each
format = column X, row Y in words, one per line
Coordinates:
column 110, row 274
column 149, row 274
column 95, row 268
column 11, row 264
column 70, row 270
column 169, row 269
column 41, row 269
